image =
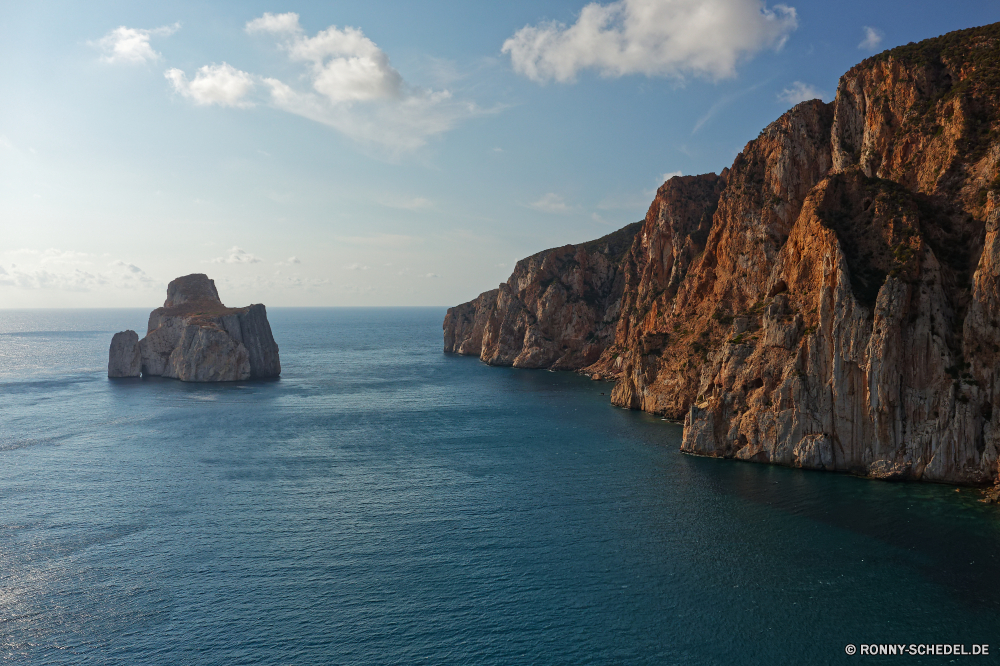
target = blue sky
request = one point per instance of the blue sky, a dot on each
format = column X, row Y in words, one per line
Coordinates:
column 380, row 153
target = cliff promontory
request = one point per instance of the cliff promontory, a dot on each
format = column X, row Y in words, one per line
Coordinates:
column 831, row 301
column 557, row 310
column 195, row 338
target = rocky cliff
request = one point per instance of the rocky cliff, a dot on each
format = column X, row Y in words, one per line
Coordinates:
column 194, row 337
column 832, row 300
column 557, row 310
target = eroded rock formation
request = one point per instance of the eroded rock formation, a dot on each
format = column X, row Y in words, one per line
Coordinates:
column 124, row 358
column 557, row 310
column 194, row 337
column 832, row 300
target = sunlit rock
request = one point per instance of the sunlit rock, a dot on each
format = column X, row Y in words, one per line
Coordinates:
column 195, row 338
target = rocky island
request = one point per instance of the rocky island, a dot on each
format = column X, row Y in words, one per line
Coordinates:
column 830, row 301
column 195, row 338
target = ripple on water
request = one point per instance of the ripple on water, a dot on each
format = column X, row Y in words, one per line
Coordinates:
column 386, row 503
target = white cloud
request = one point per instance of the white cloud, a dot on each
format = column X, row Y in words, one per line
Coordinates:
column 354, row 88
column 800, row 92
column 64, row 277
column 356, row 267
column 76, row 280
column 652, row 37
column 237, row 255
column 275, row 23
column 131, row 45
column 214, row 84
column 431, row 275
column 667, row 176
column 347, row 66
column 550, row 203
column 294, row 260
column 5, row 142
column 873, row 38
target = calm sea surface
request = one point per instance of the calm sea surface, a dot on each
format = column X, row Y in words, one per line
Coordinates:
column 384, row 503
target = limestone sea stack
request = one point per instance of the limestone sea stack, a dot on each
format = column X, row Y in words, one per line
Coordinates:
column 124, row 358
column 195, row 338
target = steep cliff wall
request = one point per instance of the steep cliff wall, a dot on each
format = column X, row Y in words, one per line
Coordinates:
column 843, row 314
column 557, row 310
column 666, row 327
column 832, row 300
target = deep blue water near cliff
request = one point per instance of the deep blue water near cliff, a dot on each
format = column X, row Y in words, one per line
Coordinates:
column 383, row 503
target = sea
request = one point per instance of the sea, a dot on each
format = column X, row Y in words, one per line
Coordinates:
column 386, row 503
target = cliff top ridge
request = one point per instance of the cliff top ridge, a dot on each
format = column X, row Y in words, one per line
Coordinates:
column 195, row 295
column 194, row 287
column 614, row 245
column 978, row 46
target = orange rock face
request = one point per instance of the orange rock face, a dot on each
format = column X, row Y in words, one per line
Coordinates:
column 832, row 300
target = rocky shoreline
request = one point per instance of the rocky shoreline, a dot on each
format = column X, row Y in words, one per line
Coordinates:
column 830, row 301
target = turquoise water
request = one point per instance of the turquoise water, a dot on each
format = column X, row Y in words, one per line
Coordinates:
column 384, row 503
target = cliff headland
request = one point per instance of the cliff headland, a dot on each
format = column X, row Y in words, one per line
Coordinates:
column 830, row 301
column 195, row 338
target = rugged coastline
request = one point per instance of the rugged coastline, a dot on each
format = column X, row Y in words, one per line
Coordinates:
column 558, row 309
column 830, row 301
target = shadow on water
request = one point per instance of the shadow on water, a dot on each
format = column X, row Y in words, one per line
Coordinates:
column 168, row 385
column 948, row 537
column 46, row 385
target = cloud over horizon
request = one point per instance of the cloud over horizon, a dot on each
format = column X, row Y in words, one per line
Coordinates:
column 67, row 270
column 237, row 255
column 671, row 38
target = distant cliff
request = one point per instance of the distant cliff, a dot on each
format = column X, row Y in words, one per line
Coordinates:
column 194, row 337
column 832, row 300
column 558, row 309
